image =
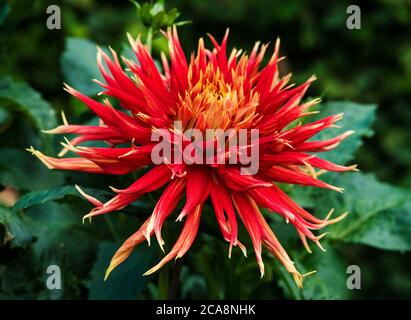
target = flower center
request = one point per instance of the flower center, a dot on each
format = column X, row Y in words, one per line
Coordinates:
column 215, row 102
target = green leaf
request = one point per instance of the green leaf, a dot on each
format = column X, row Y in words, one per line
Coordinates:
column 59, row 238
column 79, row 65
column 329, row 281
column 20, row 277
column 357, row 117
column 126, row 281
column 379, row 214
column 62, row 239
column 4, row 11
column 18, row 169
column 34, row 198
column 15, row 229
column 49, row 223
column 40, row 197
column 5, row 119
column 18, row 96
column 389, row 230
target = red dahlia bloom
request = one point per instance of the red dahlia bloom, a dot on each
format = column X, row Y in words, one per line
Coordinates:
column 212, row 90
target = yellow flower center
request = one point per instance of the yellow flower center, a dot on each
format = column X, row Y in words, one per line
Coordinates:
column 214, row 103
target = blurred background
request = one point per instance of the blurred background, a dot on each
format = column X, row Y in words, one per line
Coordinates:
column 370, row 65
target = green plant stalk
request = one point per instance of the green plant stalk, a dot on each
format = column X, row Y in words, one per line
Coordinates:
column 163, row 283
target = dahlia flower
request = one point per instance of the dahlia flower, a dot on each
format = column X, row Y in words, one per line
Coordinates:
column 211, row 90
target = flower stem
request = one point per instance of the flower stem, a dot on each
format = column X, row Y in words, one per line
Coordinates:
column 112, row 229
column 163, row 283
column 175, row 279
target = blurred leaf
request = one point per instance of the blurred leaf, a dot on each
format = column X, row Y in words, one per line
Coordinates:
column 126, row 281
column 49, row 223
column 329, row 282
column 4, row 11
column 221, row 274
column 20, row 134
column 4, row 116
column 154, row 16
column 20, row 277
column 62, row 240
column 192, row 284
column 357, row 117
column 18, row 96
column 15, row 230
column 379, row 214
column 61, row 235
column 5, row 119
column 303, row 195
column 79, row 65
column 20, row 170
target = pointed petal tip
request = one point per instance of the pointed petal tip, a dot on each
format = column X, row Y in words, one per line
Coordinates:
column 41, row 157
column 354, row 167
column 114, row 189
column 335, row 220
column 340, row 190
column 149, row 272
column 107, row 273
column 349, row 133
column 230, row 249
column 147, row 236
column 31, row 150
column 312, row 78
column 298, row 279
column 320, row 246
column 161, row 245
column 68, row 88
column 181, row 216
column 262, row 268
column 87, row 216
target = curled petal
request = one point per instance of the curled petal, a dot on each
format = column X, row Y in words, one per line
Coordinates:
column 75, row 164
column 233, row 178
column 184, row 241
column 197, row 190
column 165, row 205
column 223, row 205
column 126, row 249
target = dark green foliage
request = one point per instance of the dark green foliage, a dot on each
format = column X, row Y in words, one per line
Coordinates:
column 79, row 65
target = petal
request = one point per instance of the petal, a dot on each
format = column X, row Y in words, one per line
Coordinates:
column 197, row 190
column 126, row 249
column 166, row 204
column 233, row 178
column 281, row 174
column 222, row 203
column 75, row 164
column 184, row 241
